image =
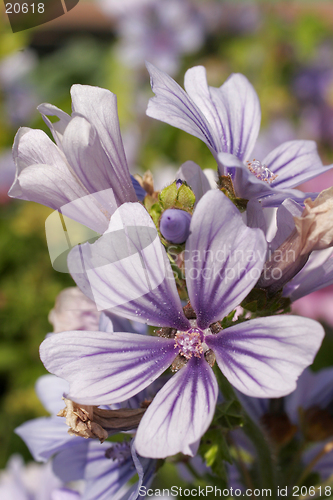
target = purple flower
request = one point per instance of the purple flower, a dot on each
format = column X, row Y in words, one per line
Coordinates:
column 85, row 174
column 227, row 119
column 306, row 413
column 106, row 468
column 223, row 260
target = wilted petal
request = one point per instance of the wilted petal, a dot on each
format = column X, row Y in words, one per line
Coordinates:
column 294, row 162
column 127, row 271
column 264, row 357
column 106, row 368
column 45, row 436
column 99, row 107
column 180, row 412
column 191, row 173
column 224, row 258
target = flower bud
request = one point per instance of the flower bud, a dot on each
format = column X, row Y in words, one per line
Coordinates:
column 175, row 225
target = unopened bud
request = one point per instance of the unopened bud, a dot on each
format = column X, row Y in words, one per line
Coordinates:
column 175, row 225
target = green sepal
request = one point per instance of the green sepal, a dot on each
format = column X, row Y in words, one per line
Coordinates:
column 260, row 304
column 229, row 414
column 155, row 213
column 185, row 198
column 214, row 450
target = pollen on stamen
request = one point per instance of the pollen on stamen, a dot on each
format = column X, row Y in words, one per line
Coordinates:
column 189, row 343
column 261, row 171
column 119, row 452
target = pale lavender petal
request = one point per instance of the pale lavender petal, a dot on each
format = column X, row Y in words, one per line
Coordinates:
column 191, row 173
column 145, row 468
column 224, row 258
column 264, row 357
column 69, row 463
column 106, row 478
column 313, row 389
column 57, row 128
column 127, row 271
column 294, row 162
column 65, row 494
column 85, row 154
column 45, row 436
column 255, row 217
column 106, row 368
column 315, row 275
column 232, row 111
column 180, row 413
column 285, row 221
column 173, row 106
column 50, row 390
column 99, row 107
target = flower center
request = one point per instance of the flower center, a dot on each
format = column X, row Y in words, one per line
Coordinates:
column 189, row 343
column 261, row 171
column 119, row 451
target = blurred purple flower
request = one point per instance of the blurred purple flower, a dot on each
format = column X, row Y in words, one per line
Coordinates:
column 160, row 31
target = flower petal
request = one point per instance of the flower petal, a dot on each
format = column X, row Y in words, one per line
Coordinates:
column 316, row 274
column 58, row 128
column 50, row 390
column 191, row 173
column 99, row 107
column 224, row 258
column 106, row 368
column 180, row 413
column 69, row 463
column 264, row 357
column 232, row 111
column 127, row 271
column 45, row 436
column 294, row 162
column 90, row 163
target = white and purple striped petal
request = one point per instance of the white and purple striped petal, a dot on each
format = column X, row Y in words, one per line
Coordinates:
column 264, row 357
column 45, row 436
column 127, row 271
column 294, row 162
column 227, row 119
column 180, row 413
column 224, row 258
column 99, row 107
column 106, row 368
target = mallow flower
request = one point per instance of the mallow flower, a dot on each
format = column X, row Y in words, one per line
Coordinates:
column 227, row 119
column 127, row 271
column 105, row 467
column 84, row 174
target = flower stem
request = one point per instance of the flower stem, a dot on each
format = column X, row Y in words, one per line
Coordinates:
column 265, row 458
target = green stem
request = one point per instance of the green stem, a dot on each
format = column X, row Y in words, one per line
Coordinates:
column 265, row 458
